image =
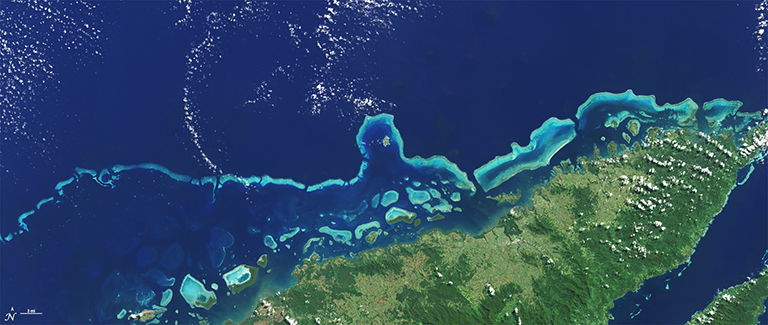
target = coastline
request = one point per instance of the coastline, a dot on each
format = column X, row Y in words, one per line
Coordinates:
column 710, row 214
column 325, row 214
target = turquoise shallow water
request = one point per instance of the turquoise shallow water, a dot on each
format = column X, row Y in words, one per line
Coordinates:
column 129, row 234
column 152, row 116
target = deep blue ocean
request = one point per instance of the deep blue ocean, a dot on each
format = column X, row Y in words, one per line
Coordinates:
column 198, row 90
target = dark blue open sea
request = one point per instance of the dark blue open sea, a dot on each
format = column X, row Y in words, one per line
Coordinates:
column 149, row 148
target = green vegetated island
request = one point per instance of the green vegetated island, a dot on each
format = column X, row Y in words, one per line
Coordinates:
column 592, row 234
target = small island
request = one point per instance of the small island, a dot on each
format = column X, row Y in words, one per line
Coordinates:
column 262, row 262
column 507, row 197
column 240, row 278
column 436, row 217
column 146, row 315
column 633, row 126
column 371, row 238
column 194, row 293
column 395, row 215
